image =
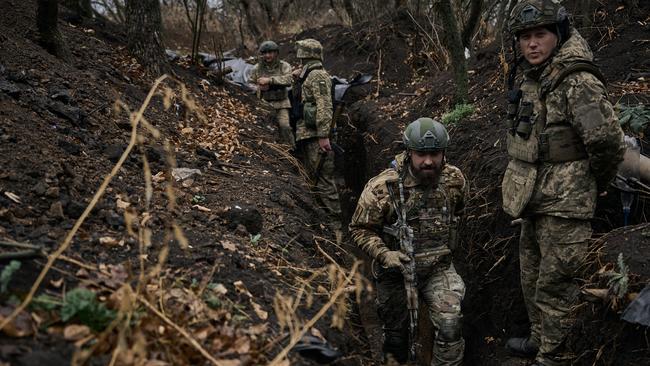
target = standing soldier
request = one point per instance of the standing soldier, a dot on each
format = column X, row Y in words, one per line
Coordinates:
column 565, row 144
column 273, row 78
column 313, row 130
column 422, row 197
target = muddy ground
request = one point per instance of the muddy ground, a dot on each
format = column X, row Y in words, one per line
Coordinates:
column 61, row 135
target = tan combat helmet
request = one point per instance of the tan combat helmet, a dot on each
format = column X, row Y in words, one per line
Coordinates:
column 310, row 48
column 536, row 13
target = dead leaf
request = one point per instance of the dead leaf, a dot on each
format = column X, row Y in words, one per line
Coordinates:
column 257, row 329
column 122, row 204
column 57, row 283
column 600, row 293
column 20, row 326
column 242, row 345
column 75, row 332
column 159, row 177
column 155, row 363
column 316, row 333
column 202, row 208
column 229, row 362
column 12, row 196
column 259, row 311
column 220, row 289
column 108, row 241
column 241, row 288
column 228, row 245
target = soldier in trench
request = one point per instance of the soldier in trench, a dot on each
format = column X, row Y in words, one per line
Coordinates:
column 273, row 78
column 313, row 130
column 564, row 144
column 432, row 194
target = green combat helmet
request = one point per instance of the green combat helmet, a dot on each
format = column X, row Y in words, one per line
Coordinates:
column 536, row 13
column 310, row 48
column 425, row 134
column 269, row 46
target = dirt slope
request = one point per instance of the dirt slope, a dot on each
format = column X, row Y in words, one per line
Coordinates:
column 248, row 217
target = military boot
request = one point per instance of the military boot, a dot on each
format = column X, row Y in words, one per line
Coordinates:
column 286, row 137
column 522, row 346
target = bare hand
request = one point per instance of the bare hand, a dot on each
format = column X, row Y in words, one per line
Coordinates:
column 296, row 73
column 602, row 194
column 324, row 144
column 263, row 81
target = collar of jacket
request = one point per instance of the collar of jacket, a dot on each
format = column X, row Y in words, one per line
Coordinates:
column 270, row 65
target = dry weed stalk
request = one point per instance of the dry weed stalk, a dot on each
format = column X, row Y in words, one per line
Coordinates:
column 342, row 281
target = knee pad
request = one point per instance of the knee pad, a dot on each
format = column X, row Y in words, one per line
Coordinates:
column 449, row 328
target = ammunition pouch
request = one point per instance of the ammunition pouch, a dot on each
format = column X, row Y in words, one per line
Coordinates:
column 559, row 144
column 309, row 115
column 517, row 186
column 275, row 94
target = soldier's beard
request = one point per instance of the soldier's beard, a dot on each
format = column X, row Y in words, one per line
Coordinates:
column 427, row 175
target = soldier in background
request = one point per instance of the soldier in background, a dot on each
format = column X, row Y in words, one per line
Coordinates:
column 434, row 195
column 273, row 78
column 565, row 144
column 313, row 130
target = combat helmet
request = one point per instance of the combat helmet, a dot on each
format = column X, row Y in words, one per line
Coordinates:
column 425, row 134
column 535, row 13
column 269, row 46
column 309, row 48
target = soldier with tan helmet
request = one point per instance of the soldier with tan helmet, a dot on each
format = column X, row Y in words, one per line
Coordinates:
column 564, row 144
column 314, row 129
column 427, row 195
column 273, row 78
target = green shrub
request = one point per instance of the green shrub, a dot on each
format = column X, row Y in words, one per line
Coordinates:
column 81, row 304
column 459, row 112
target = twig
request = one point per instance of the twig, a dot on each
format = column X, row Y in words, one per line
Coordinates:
column 182, row 331
column 378, row 75
column 23, row 254
column 100, row 192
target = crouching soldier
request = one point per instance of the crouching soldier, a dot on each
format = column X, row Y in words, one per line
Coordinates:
column 406, row 222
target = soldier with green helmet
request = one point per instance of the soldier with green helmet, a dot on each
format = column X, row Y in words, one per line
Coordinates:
column 314, row 129
column 564, row 144
column 431, row 194
column 273, row 78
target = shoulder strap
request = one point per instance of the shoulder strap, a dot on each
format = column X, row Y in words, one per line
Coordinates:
column 302, row 79
column 573, row 68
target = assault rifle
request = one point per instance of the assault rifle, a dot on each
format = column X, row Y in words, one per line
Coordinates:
column 405, row 234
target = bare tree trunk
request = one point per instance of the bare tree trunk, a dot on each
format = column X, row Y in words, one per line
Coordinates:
column 352, row 13
column 454, row 44
column 255, row 30
column 47, row 16
column 472, row 22
column 144, row 32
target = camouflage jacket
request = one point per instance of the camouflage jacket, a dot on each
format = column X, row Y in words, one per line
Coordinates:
column 578, row 103
column 317, row 100
column 432, row 213
column 281, row 79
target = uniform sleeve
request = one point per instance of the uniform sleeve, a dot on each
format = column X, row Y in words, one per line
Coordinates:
column 285, row 79
column 593, row 117
column 368, row 220
column 321, row 85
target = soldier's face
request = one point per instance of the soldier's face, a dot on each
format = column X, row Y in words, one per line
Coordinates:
column 426, row 166
column 269, row 56
column 537, row 44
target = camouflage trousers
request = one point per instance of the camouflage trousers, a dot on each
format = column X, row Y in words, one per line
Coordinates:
column 551, row 252
column 323, row 180
column 442, row 291
column 284, row 127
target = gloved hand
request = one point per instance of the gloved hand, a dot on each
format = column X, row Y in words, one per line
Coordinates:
column 393, row 259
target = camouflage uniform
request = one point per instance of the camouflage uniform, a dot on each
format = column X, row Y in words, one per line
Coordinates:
column 554, row 186
column 280, row 74
column 432, row 213
column 316, row 124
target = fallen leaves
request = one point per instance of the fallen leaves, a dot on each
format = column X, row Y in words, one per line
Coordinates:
column 20, row 326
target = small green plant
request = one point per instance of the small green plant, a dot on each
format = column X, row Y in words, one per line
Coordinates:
column 255, row 238
column 81, row 304
column 46, row 302
column 635, row 117
column 459, row 112
column 7, row 274
column 197, row 199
